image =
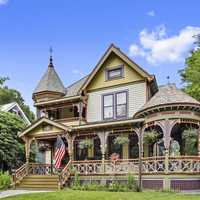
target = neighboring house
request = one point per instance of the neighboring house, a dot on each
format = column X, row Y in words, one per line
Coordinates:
column 15, row 108
column 108, row 113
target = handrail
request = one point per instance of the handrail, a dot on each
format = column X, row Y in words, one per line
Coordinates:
column 64, row 175
column 19, row 174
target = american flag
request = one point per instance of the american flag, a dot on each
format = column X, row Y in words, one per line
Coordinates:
column 60, row 152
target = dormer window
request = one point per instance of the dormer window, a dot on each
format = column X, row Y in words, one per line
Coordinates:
column 115, row 72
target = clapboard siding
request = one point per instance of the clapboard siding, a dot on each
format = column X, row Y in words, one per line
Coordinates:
column 136, row 99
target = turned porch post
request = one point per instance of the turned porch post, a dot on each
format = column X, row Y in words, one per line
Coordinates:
column 103, row 140
column 27, row 148
column 140, row 136
column 70, row 142
column 199, row 143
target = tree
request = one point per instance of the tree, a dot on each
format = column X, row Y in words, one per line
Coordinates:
column 8, row 95
column 191, row 74
column 11, row 147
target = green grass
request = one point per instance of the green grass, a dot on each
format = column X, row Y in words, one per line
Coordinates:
column 86, row 195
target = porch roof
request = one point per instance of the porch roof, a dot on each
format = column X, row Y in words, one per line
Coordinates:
column 39, row 122
column 96, row 125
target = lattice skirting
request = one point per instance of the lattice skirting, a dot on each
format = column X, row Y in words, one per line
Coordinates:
column 155, row 183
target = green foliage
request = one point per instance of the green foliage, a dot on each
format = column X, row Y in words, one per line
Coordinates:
column 114, row 186
column 76, row 182
column 8, row 95
column 191, row 141
column 191, row 74
column 11, row 147
column 120, row 140
column 84, row 144
column 5, row 180
column 151, row 137
column 131, row 183
column 3, row 80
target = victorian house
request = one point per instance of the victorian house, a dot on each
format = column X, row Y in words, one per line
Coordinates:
column 118, row 111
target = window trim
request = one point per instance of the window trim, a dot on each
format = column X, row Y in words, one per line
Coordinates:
column 124, row 116
column 121, row 67
column 113, row 106
column 114, row 95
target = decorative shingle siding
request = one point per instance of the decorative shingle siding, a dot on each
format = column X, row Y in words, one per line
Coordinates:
column 136, row 99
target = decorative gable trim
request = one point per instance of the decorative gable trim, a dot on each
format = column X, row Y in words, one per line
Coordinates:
column 41, row 121
column 118, row 52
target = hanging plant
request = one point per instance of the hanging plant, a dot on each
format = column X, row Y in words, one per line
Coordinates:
column 121, row 140
column 84, row 144
column 191, row 139
column 151, row 137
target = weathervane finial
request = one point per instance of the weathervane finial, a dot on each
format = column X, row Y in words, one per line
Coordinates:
column 168, row 80
column 51, row 58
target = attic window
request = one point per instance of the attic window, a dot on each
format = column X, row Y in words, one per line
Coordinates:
column 115, row 72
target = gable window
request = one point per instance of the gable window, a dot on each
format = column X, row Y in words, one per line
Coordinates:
column 114, row 73
column 115, row 105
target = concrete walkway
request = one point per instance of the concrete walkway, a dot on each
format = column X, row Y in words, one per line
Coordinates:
column 8, row 193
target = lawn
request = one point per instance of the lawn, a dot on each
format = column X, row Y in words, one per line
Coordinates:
column 86, row 195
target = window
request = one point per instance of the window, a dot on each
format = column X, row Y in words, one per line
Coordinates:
column 115, row 105
column 121, row 104
column 116, row 72
column 108, row 106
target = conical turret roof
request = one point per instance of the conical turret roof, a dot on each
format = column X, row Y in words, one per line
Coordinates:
column 50, row 81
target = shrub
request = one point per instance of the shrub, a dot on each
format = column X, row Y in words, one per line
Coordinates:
column 76, row 182
column 131, row 183
column 5, row 180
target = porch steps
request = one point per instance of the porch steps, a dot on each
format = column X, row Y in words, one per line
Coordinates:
column 39, row 182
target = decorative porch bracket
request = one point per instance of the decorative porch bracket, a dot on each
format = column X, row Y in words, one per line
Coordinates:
column 167, row 126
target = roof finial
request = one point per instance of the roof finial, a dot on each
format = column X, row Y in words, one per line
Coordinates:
column 168, row 80
column 50, row 59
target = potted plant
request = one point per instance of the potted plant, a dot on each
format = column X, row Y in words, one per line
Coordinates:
column 85, row 144
column 191, row 140
column 150, row 137
column 121, row 140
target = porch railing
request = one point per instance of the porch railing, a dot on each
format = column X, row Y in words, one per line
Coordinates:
column 150, row 165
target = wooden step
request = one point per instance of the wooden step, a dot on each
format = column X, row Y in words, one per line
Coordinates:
column 23, row 186
column 39, row 182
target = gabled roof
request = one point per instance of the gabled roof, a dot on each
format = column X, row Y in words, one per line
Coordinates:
column 50, row 81
column 169, row 95
column 8, row 107
column 118, row 52
column 41, row 121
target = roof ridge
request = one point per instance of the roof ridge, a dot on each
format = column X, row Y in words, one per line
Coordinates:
column 77, row 81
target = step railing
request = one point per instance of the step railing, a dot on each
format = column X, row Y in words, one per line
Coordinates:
column 19, row 174
column 65, row 174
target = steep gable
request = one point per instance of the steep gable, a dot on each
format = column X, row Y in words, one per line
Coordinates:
column 112, row 58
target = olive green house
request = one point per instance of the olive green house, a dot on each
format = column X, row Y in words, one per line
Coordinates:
column 114, row 121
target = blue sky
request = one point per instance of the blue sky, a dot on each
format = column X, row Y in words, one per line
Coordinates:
column 155, row 34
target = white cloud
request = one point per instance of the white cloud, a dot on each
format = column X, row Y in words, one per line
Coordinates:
column 77, row 72
column 3, row 2
column 151, row 13
column 157, row 47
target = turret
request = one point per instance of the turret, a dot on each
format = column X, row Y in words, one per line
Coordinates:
column 50, row 86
